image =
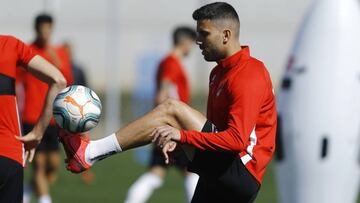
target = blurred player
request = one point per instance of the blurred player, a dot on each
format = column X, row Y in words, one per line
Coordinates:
column 231, row 147
column 12, row 53
column 47, row 158
column 172, row 82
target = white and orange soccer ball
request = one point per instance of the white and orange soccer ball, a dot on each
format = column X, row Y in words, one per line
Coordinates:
column 77, row 109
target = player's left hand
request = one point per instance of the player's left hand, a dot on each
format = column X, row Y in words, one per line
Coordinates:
column 31, row 141
column 167, row 149
column 164, row 134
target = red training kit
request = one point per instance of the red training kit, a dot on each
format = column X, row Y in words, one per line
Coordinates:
column 241, row 104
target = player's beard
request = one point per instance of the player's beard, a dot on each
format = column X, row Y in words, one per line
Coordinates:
column 210, row 55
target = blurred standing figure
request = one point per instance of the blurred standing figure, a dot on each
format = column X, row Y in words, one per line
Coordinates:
column 47, row 158
column 172, row 82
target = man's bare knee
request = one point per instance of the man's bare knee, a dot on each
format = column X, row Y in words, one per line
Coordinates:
column 171, row 106
column 169, row 111
column 180, row 115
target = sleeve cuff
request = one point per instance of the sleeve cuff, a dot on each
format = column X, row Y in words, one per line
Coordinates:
column 183, row 137
column 29, row 58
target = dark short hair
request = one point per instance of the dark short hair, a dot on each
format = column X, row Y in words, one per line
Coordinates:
column 42, row 18
column 216, row 11
column 183, row 32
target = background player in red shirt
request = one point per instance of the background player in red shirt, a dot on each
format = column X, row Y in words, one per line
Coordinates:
column 231, row 147
column 12, row 158
column 47, row 158
column 172, row 82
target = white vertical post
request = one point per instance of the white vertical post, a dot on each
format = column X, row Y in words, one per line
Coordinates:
column 113, row 90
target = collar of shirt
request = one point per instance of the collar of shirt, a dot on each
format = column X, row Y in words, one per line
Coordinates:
column 233, row 60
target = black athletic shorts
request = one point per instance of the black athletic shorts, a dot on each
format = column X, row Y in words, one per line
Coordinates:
column 223, row 176
column 11, row 181
column 50, row 140
column 178, row 158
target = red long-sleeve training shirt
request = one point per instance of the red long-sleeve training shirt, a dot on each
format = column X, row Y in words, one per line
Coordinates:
column 13, row 52
column 241, row 104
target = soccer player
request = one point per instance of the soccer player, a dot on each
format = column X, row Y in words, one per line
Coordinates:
column 231, row 147
column 47, row 158
column 172, row 82
column 12, row 157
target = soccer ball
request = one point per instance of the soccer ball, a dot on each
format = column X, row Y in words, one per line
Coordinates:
column 77, row 109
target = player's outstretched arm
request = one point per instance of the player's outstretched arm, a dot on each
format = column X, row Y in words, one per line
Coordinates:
column 48, row 73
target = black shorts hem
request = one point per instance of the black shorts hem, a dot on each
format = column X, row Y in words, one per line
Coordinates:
column 178, row 159
column 49, row 142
